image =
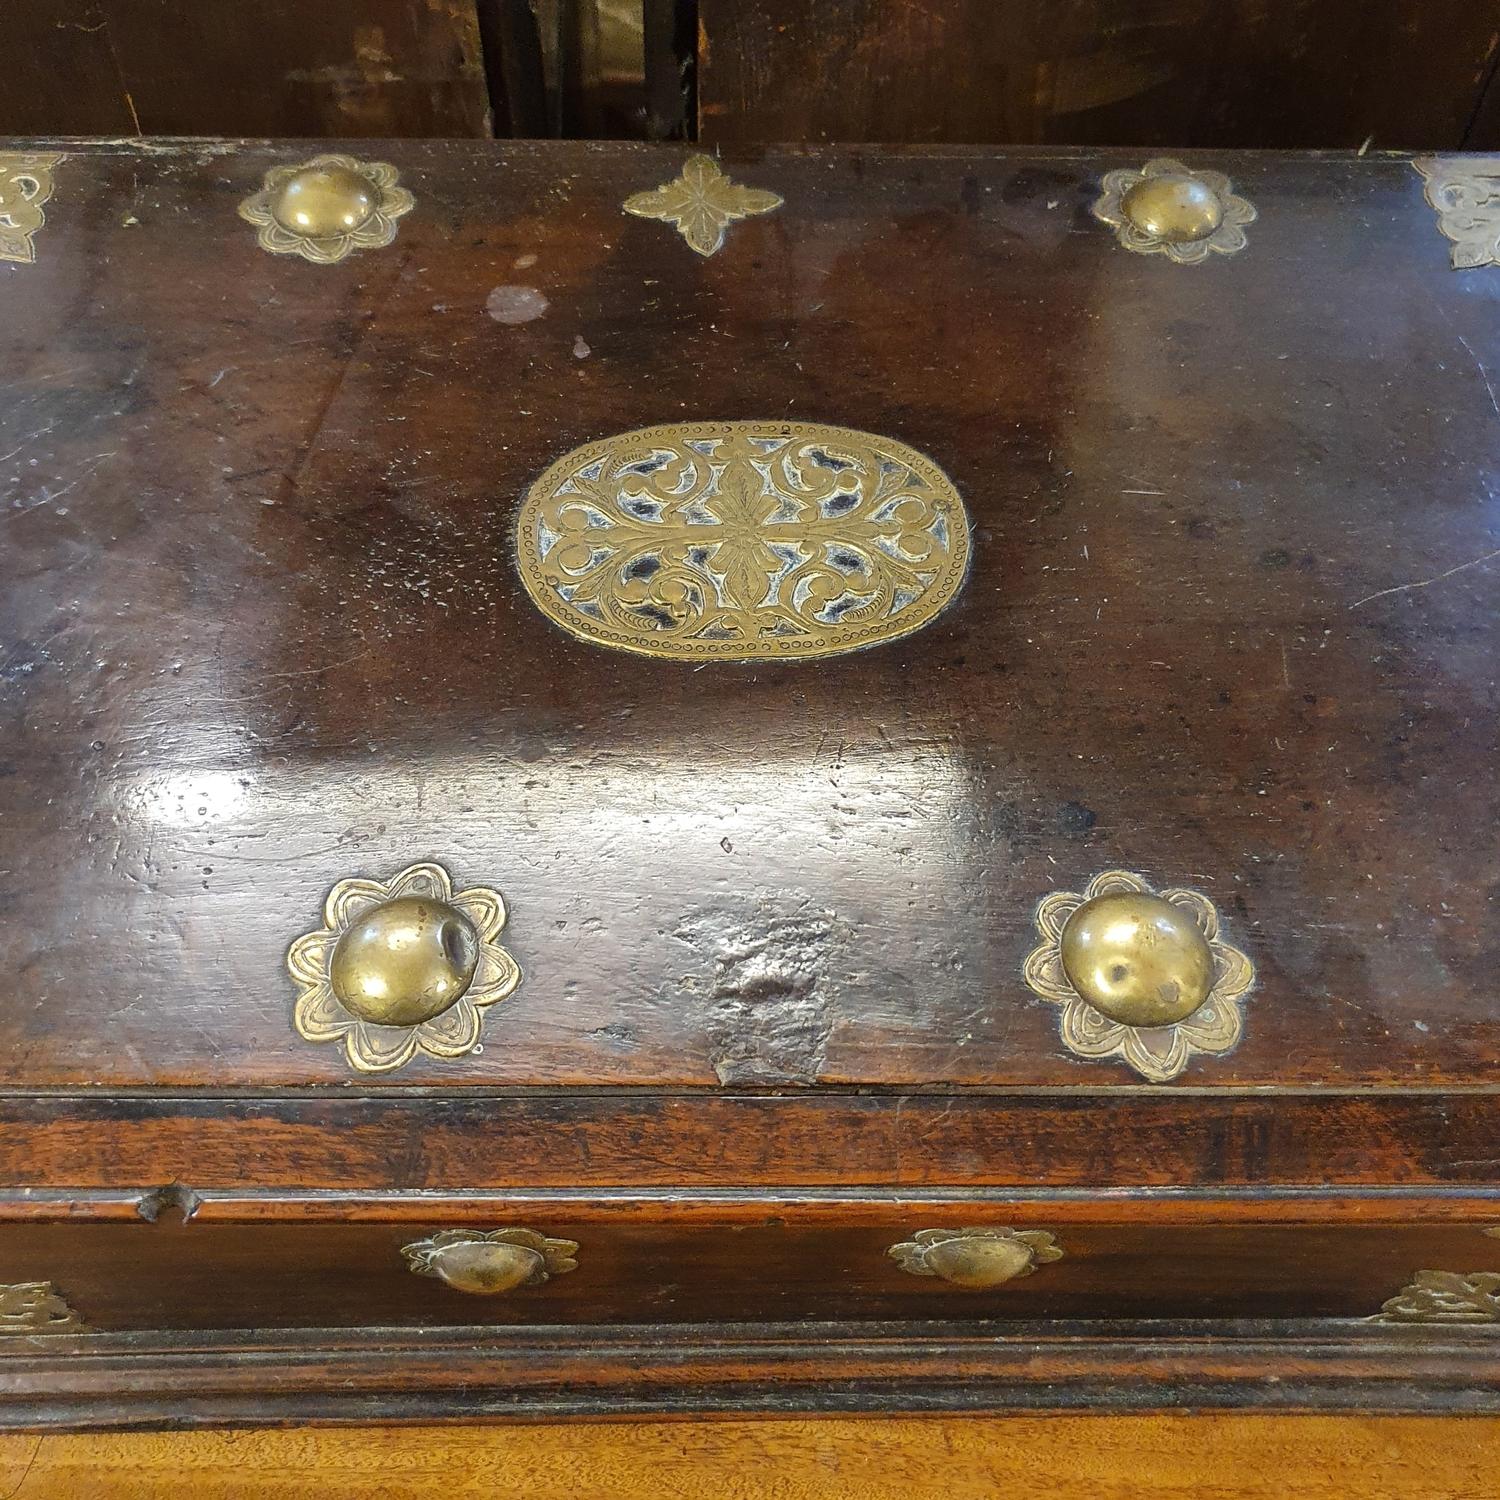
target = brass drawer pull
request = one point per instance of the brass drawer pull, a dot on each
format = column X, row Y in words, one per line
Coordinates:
column 975, row 1258
column 471, row 1260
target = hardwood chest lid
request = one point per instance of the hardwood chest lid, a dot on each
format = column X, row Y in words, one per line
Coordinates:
column 1173, row 569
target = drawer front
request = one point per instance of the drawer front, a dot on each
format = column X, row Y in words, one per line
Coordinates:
column 580, row 1267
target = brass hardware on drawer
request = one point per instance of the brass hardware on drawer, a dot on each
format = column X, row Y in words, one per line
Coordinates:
column 328, row 207
column 1166, row 209
column 401, row 967
column 742, row 541
column 471, row 1260
column 1445, row 1297
column 701, row 203
column 1465, row 191
column 31, row 1307
column 975, row 1258
column 25, row 185
column 1139, row 974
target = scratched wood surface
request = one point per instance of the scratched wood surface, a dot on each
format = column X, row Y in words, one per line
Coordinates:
column 1090, row 1458
column 1231, row 621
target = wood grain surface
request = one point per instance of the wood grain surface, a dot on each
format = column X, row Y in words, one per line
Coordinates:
column 1177, row 73
column 645, row 1263
column 214, row 67
column 1090, row 1458
column 1230, row 622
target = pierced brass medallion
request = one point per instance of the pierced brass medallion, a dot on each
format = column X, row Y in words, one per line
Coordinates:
column 487, row 1263
column 702, row 203
column 1139, row 974
column 32, row 1307
column 1445, row 1297
column 327, row 208
column 743, row 541
column 401, row 967
column 1465, row 191
column 25, row 185
column 1168, row 209
column 975, row 1259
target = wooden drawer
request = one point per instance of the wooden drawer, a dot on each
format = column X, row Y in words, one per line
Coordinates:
column 734, row 1262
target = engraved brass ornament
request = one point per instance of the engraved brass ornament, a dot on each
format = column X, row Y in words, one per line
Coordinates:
column 1167, row 209
column 488, row 1263
column 32, row 1307
column 975, row 1259
column 326, row 208
column 742, row 541
column 702, row 203
column 25, row 185
column 1139, row 974
column 401, row 967
column 1445, row 1297
column 1465, row 191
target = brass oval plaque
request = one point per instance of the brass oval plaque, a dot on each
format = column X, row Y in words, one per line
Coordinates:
column 742, row 541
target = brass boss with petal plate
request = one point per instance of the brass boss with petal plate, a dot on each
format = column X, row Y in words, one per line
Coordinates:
column 1138, row 974
column 1167, row 209
column 326, row 208
column 400, row 967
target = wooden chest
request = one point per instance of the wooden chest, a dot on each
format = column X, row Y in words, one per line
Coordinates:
column 846, row 779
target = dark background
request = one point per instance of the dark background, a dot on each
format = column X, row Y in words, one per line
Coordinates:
column 1389, row 74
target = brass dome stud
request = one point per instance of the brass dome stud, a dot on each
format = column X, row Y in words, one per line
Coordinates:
column 1137, row 959
column 319, row 201
column 1174, row 207
column 404, row 962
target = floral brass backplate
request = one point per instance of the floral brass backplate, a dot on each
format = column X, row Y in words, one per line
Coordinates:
column 742, row 541
column 1445, row 1297
column 25, row 185
column 32, row 1307
column 1465, row 191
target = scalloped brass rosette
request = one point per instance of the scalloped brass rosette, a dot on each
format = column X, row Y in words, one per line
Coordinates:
column 327, row 208
column 1139, row 974
column 1168, row 209
column 401, row 967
